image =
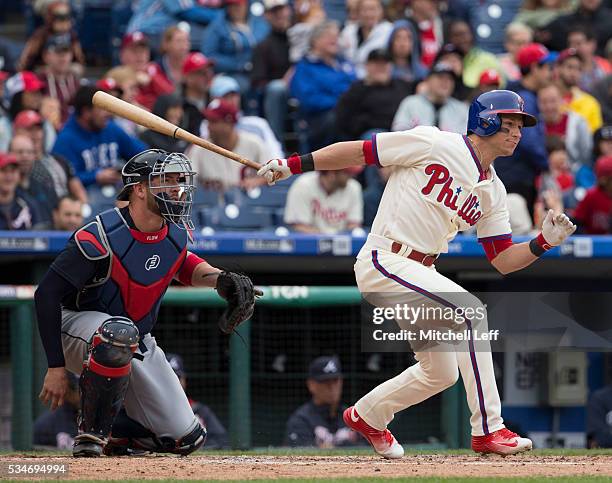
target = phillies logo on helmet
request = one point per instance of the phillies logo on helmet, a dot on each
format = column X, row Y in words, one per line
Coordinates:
column 152, row 263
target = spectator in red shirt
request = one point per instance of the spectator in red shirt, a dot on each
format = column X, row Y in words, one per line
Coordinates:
column 593, row 213
column 136, row 53
column 426, row 16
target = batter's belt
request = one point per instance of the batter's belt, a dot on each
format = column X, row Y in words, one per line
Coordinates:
column 383, row 243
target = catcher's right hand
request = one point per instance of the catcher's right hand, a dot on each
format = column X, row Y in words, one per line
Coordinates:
column 275, row 170
column 556, row 228
column 240, row 294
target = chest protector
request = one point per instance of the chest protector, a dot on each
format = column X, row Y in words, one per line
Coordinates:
column 141, row 266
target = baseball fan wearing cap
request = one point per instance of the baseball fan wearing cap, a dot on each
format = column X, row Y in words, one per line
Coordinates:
column 99, row 301
column 602, row 141
column 213, row 170
column 135, row 52
column 198, row 72
column 319, row 421
column 65, row 181
column 24, row 90
column 370, row 103
column 443, row 183
column 59, row 74
column 226, row 88
column 434, row 105
column 17, row 210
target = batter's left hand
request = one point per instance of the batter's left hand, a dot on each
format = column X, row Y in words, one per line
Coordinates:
column 557, row 228
column 275, row 170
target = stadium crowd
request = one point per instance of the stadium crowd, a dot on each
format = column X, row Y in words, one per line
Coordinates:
column 265, row 79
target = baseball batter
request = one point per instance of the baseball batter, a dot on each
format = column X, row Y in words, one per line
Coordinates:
column 441, row 183
column 99, row 301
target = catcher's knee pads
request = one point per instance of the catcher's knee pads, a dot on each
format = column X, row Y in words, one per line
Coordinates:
column 105, row 374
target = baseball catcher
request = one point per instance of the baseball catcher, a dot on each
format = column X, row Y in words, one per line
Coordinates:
column 100, row 298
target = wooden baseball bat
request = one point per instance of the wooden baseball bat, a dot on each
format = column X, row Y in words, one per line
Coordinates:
column 147, row 119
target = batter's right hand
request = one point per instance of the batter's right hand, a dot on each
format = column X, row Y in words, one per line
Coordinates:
column 275, row 170
column 54, row 387
column 557, row 228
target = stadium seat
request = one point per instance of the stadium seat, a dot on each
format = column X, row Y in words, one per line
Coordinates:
column 207, row 197
column 235, row 218
column 268, row 196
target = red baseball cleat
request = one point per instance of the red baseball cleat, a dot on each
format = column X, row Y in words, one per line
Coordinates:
column 503, row 442
column 383, row 442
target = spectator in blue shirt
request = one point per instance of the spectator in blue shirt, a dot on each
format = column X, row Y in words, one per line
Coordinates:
column 153, row 17
column 93, row 143
column 230, row 40
column 320, row 78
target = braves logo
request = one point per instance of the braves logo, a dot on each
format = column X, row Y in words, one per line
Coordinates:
column 152, row 263
column 439, row 175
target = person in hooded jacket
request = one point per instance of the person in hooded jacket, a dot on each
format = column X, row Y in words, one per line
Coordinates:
column 405, row 50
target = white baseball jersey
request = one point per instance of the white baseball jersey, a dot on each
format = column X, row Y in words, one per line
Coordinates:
column 437, row 189
column 309, row 204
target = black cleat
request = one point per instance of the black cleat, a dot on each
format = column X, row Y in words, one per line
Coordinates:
column 87, row 446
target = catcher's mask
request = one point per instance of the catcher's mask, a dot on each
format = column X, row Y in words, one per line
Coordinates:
column 170, row 180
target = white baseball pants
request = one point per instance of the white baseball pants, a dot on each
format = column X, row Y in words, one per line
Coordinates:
column 383, row 272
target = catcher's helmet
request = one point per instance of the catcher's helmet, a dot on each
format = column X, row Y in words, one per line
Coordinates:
column 483, row 118
column 156, row 164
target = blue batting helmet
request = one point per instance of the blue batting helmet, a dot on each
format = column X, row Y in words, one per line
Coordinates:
column 484, row 120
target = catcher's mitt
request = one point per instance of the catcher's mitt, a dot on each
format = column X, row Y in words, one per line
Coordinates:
column 240, row 294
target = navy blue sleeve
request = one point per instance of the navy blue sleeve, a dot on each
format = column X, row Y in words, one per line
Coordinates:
column 67, row 275
column 48, row 300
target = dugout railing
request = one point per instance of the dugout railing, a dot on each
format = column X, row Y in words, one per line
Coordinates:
column 253, row 379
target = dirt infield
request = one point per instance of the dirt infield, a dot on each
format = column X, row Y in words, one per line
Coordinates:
column 274, row 467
